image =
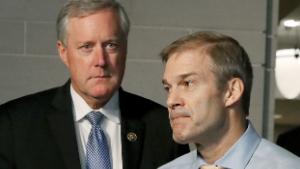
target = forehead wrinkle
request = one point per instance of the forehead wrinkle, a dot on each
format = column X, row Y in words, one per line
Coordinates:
column 184, row 63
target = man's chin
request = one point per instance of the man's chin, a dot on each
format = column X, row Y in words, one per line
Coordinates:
column 103, row 95
column 180, row 139
column 102, row 92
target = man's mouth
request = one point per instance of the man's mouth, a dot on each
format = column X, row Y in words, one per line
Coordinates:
column 174, row 114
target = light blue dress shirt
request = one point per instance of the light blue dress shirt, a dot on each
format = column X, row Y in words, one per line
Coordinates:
column 249, row 152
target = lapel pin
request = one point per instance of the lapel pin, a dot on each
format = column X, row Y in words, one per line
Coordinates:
column 132, row 137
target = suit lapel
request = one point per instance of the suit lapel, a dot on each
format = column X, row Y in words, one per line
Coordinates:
column 62, row 125
column 132, row 130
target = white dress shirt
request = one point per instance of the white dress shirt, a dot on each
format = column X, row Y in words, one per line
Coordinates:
column 249, row 152
column 110, row 125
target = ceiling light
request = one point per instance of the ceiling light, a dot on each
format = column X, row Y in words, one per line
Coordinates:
column 287, row 72
column 291, row 23
column 277, row 116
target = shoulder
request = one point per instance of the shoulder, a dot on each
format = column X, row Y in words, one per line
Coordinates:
column 290, row 140
column 25, row 111
column 290, row 136
column 28, row 102
column 270, row 155
column 276, row 150
column 292, row 131
column 185, row 161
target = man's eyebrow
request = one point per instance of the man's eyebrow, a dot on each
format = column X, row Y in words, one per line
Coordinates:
column 181, row 76
column 84, row 42
column 185, row 75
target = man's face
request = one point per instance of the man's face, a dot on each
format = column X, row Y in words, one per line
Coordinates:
column 195, row 104
column 95, row 55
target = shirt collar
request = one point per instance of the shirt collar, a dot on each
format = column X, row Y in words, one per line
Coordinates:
column 110, row 110
column 240, row 153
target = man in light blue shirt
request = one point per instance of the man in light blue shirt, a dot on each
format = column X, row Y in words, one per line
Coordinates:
column 208, row 79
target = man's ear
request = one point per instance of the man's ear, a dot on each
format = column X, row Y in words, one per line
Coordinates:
column 234, row 91
column 62, row 51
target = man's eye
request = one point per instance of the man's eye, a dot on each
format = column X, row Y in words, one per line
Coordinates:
column 166, row 88
column 111, row 46
column 85, row 46
column 187, row 83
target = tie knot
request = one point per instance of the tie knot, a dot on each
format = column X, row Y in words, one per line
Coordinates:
column 94, row 118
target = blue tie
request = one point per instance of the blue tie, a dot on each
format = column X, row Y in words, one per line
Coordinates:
column 97, row 153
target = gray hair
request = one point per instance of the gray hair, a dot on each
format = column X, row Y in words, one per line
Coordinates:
column 78, row 8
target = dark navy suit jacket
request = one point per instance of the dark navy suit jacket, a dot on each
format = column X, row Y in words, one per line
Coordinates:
column 37, row 132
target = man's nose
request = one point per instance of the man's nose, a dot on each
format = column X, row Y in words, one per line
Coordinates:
column 174, row 100
column 100, row 57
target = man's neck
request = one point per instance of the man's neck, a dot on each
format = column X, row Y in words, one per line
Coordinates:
column 217, row 147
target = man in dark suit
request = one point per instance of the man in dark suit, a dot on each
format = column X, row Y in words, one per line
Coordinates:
column 50, row 129
column 290, row 140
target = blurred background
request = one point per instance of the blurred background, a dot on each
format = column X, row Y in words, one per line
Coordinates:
column 287, row 78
